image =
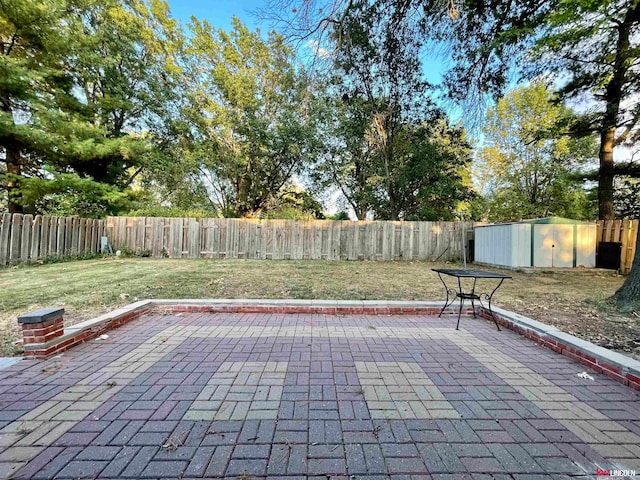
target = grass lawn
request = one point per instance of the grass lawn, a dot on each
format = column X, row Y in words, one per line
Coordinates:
column 574, row 302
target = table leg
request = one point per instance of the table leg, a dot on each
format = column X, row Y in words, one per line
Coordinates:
column 473, row 292
column 461, row 303
column 489, row 297
column 448, row 291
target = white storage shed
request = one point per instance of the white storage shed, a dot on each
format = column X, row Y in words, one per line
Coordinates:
column 543, row 242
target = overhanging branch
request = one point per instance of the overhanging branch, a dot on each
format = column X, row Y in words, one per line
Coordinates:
column 628, row 169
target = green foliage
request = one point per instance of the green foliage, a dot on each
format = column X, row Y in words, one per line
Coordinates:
column 338, row 216
column 110, row 107
column 288, row 213
column 126, row 252
column 525, row 167
column 589, row 48
column 98, row 97
column 347, row 160
column 627, row 198
column 68, row 258
column 85, row 92
column 31, row 42
column 174, row 212
column 69, row 194
column 295, row 204
column 429, row 177
column 251, row 120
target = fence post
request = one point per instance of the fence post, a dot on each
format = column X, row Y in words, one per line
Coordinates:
column 5, row 235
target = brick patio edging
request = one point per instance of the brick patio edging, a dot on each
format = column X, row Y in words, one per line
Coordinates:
column 619, row 367
column 81, row 332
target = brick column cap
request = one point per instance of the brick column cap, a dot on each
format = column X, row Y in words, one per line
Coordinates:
column 41, row 316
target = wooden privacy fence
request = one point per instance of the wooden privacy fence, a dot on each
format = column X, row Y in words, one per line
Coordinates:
column 28, row 238
column 623, row 231
column 286, row 239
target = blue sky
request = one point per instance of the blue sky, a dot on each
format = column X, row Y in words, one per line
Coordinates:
column 217, row 12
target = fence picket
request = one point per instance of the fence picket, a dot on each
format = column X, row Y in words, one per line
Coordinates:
column 52, row 246
column 25, row 240
column 5, row 235
column 39, row 245
column 16, row 236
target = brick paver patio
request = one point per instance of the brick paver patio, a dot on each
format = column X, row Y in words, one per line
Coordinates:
column 273, row 395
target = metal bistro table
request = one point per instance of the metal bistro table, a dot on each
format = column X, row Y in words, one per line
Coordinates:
column 472, row 295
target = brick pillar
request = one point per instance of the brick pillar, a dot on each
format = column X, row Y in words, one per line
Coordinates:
column 39, row 328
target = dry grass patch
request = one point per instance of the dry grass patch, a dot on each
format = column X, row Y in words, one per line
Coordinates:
column 574, row 302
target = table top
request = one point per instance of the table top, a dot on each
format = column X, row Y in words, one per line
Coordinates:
column 462, row 273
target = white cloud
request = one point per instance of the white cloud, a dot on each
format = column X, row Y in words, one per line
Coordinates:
column 315, row 47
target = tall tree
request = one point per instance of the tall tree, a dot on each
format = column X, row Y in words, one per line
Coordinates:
column 590, row 46
column 88, row 84
column 384, row 154
column 381, row 65
column 347, row 160
column 526, row 166
column 33, row 38
column 429, row 178
column 253, row 119
column 128, row 74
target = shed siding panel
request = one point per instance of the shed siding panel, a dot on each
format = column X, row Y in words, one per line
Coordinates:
column 493, row 245
column 586, row 246
column 520, row 245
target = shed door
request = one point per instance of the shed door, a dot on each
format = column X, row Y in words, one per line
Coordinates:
column 553, row 245
column 543, row 245
column 563, row 250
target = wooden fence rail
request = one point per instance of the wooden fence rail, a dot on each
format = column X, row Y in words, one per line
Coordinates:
column 623, row 231
column 286, row 239
column 29, row 238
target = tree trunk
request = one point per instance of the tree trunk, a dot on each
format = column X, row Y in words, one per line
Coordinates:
column 605, row 175
column 613, row 97
column 628, row 295
column 14, row 171
column 361, row 213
